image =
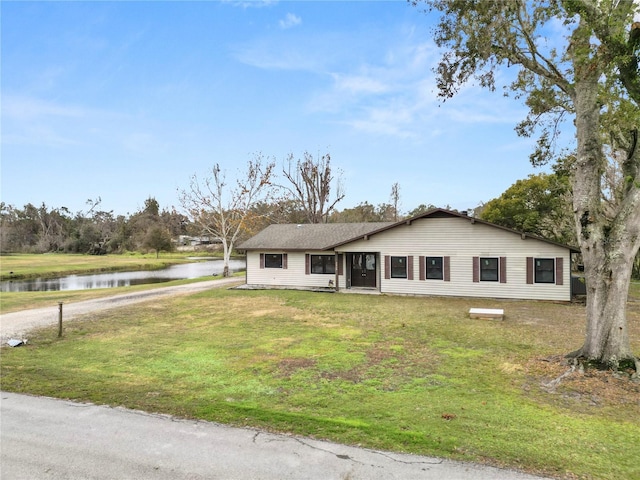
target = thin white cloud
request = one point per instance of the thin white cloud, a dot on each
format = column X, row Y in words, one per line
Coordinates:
column 43, row 135
column 47, row 79
column 250, row 3
column 30, row 108
column 383, row 92
column 33, row 121
column 474, row 104
column 281, row 54
column 386, row 121
column 359, row 84
column 29, row 120
column 392, row 95
column 289, row 21
column 140, row 142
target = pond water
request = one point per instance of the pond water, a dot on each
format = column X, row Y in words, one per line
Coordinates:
column 122, row 279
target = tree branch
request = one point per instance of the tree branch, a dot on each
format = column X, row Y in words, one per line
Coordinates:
column 629, row 71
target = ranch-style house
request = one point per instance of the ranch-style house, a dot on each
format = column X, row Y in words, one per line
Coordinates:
column 440, row 253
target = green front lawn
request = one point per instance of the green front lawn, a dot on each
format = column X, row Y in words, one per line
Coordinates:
column 398, row 373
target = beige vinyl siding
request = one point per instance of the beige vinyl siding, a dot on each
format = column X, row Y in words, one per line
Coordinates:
column 292, row 276
column 461, row 240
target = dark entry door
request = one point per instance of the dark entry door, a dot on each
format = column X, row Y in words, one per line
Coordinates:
column 363, row 270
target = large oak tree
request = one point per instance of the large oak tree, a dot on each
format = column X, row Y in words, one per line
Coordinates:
column 588, row 73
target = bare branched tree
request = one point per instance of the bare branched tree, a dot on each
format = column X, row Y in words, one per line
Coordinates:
column 224, row 212
column 395, row 200
column 310, row 183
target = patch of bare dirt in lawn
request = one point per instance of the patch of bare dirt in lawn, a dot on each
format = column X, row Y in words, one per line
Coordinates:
column 560, row 328
column 552, row 377
column 289, row 366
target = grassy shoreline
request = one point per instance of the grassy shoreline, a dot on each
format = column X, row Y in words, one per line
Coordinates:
column 51, row 265
column 28, row 266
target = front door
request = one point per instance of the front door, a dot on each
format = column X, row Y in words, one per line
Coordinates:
column 363, row 270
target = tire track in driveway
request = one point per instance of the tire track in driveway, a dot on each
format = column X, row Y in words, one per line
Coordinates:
column 18, row 324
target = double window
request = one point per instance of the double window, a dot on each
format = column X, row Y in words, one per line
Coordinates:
column 323, row 264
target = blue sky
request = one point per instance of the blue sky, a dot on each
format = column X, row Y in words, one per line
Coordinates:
column 127, row 100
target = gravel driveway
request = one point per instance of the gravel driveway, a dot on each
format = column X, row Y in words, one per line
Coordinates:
column 17, row 324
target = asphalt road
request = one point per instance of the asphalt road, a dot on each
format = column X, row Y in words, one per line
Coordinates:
column 44, row 438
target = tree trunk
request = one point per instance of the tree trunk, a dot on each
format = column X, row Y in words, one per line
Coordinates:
column 226, row 255
column 608, row 245
column 607, row 276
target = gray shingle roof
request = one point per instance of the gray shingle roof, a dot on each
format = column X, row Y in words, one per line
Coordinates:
column 308, row 236
column 323, row 236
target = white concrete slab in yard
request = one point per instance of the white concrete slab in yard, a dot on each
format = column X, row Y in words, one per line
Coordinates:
column 496, row 313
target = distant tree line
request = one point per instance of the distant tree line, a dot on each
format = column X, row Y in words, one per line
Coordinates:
column 42, row 229
column 539, row 205
column 211, row 209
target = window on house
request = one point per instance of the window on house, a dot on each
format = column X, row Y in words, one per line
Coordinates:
column 434, row 269
column 273, row 260
column 398, row 267
column 323, row 264
column 544, row 270
column 489, row 269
